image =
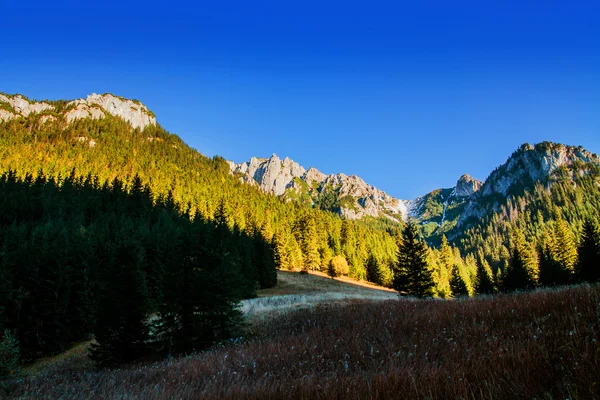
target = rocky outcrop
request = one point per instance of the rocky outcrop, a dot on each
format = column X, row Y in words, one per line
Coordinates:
column 355, row 197
column 131, row 111
column 83, row 110
column 273, row 175
column 22, row 106
column 534, row 163
column 6, row 115
column 467, row 186
column 95, row 106
column 526, row 166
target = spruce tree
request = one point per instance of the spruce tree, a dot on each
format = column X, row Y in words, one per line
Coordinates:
column 564, row 248
column 121, row 333
column 457, row 283
column 411, row 272
column 519, row 275
column 552, row 273
column 373, row 271
column 10, row 354
column 588, row 264
column 484, row 282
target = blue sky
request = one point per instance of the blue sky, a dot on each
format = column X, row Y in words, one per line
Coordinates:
column 406, row 95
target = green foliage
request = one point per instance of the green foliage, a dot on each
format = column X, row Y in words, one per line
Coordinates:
column 520, row 274
column 588, row 265
column 373, row 271
column 457, row 283
column 10, row 355
column 196, row 184
column 411, row 273
column 81, row 260
column 484, row 281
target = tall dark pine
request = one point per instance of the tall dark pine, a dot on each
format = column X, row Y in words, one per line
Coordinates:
column 457, row 284
column 517, row 277
column 484, row 283
column 588, row 264
column 552, row 273
column 373, row 272
column 411, row 274
column 121, row 332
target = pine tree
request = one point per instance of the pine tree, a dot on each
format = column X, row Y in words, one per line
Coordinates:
column 310, row 248
column 373, row 271
column 588, row 264
column 484, row 281
column 552, row 273
column 564, row 248
column 457, row 283
column 280, row 246
column 121, row 332
column 10, row 355
column 411, row 273
column 445, row 268
column 519, row 275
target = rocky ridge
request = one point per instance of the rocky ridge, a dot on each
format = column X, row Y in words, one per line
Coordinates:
column 526, row 166
column 95, row 106
column 358, row 199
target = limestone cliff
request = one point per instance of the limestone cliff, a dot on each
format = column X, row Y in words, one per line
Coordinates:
column 350, row 196
column 95, row 106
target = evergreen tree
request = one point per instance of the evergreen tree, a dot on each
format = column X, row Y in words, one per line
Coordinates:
column 309, row 244
column 10, row 355
column 121, row 332
column 373, row 271
column 457, row 284
column 564, row 248
column 519, row 276
column 484, row 281
column 552, row 273
column 588, row 264
column 411, row 273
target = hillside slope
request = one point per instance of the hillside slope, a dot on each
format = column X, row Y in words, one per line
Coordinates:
column 108, row 137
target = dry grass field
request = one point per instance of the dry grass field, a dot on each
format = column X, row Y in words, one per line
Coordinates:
column 534, row 345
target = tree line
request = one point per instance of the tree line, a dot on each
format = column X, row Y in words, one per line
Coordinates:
column 116, row 263
column 421, row 271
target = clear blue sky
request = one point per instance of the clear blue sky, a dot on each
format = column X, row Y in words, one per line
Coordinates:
column 407, row 95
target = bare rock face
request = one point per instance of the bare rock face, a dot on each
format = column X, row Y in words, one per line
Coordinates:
column 21, row 106
column 95, row 106
column 83, row 110
column 357, row 198
column 6, row 115
column 467, row 186
column 133, row 112
column 273, row 175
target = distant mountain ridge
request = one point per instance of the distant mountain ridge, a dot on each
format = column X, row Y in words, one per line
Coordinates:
column 350, row 196
column 443, row 211
column 446, row 211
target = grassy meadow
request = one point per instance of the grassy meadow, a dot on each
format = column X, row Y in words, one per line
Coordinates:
column 306, row 340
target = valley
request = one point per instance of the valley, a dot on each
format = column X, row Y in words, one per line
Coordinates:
column 268, row 280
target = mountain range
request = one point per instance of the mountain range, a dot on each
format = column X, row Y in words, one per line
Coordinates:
column 445, row 211
column 440, row 211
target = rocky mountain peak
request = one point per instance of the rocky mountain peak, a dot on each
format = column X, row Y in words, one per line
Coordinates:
column 467, row 186
column 353, row 197
column 534, row 163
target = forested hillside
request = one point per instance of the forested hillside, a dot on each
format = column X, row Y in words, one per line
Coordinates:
column 109, row 148
column 92, row 207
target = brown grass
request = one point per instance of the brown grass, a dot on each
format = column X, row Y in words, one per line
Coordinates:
column 291, row 282
column 542, row 345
